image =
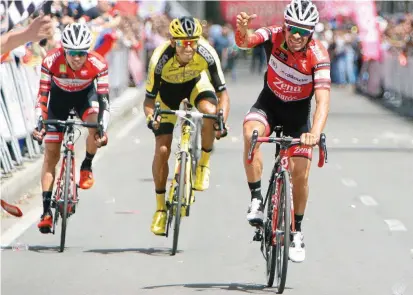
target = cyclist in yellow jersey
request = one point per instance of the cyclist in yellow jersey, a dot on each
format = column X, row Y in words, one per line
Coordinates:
column 186, row 66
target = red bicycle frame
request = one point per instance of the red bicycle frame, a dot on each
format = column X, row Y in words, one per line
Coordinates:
column 284, row 157
column 72, row 177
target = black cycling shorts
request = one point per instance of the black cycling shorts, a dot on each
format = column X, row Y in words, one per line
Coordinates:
column 84, row 102
column 294, row 117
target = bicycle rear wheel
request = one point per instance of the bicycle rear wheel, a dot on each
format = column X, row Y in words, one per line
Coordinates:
column 283, row 232
column 180, row 194
column 68, row 180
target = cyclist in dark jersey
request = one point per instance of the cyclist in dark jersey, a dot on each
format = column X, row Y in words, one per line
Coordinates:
column 298, row 68
column 68, row 75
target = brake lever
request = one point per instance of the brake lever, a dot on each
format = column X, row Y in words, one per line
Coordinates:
column 155, row 114
column 39, row 128
column 253, row 144
column 323, row 145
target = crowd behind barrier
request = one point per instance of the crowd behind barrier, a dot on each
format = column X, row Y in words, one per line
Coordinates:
column 117, row 37
column 389, row 82
column 19, row 87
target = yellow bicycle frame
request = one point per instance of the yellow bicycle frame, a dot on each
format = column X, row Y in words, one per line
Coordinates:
column 183, row 147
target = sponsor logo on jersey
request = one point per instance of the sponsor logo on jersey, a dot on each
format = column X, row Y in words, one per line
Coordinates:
column 62, row 68
column 206, row 55
column 288, row 73
column 287, row 88
column 317, row 51
column 49, row 60
column 83, row 72
column 281, row 54
column 161, row 63
column 97, row 63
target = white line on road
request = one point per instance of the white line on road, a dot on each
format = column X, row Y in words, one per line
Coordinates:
column 368, row 200
column 395, row 225
column 129, row 126
column 21, row 226
column 27, row 220
column 349, row 182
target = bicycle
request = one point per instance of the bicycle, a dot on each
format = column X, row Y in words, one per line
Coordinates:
column 279, row 220
column 181, row 193
column 65, row 198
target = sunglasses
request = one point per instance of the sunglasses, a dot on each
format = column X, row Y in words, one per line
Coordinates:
column 184, row 43
column 80, row 53
column 301, row 31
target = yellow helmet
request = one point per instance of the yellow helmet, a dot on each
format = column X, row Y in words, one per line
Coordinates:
column 185, row 27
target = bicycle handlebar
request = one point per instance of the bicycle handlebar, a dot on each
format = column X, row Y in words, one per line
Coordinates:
column 71, row 122
column 285, row 140
column 197, row 115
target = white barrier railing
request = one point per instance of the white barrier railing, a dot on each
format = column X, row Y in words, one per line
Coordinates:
column 390, row 82
column 19, row 85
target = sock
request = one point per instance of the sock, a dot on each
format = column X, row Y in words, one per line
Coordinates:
column 87, row 162
column 298, row 220
column 160, row 200
column 205, row 155
column 47, row 198
column 255, row 188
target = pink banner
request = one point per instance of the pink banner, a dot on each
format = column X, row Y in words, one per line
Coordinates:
column 363, row 12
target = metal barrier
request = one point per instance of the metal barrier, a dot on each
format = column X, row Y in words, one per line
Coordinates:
column 389, row 82
column 19, row 84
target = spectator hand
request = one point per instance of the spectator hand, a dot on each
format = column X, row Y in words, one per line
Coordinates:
column 40, row 28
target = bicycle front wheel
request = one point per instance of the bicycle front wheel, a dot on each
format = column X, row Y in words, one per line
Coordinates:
column 283, row 232
column 270, row 249
column 66, row 187
column 180, row 194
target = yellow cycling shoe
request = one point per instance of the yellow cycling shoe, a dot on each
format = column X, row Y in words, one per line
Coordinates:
column 159, row 222
column 202, row 178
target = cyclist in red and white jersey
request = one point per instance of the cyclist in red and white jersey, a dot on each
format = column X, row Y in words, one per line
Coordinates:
column 67, row 81
column 298, row 68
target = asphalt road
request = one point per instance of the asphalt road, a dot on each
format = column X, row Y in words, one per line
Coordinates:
column 357, row 226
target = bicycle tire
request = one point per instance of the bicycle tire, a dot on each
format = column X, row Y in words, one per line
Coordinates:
column 65, row 199
column 285, row 216
column 180, row 193
column 270, row 250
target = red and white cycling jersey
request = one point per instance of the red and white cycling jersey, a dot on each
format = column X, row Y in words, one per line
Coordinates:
column 56, row 68
column 291, row 76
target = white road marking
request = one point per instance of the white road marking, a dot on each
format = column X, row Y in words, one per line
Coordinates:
column 349, row 182
column 21, row 226
column 125, row 130
column 137, row 141
column 395, row 225
column 368, row 200
column 354, row 140
column 29, row 218
column 353, row 206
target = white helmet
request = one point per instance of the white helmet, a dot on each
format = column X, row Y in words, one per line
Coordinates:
column 302, row 12
column 76, row 36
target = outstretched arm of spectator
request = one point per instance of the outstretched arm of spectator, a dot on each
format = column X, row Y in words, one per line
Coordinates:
column 40, row 28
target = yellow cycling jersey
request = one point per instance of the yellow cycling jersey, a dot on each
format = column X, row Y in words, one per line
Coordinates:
column 164, row 68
